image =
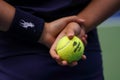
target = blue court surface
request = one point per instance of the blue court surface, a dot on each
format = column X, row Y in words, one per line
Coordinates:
column 109, row 35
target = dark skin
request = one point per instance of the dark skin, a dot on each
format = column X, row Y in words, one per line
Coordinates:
column 72, row 29
column 51, row 30
column 95, row 13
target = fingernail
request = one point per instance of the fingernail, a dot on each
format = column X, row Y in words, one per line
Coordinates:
column 82, row 20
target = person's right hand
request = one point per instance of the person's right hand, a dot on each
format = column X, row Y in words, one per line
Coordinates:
column 71, row 30
column 52, row 29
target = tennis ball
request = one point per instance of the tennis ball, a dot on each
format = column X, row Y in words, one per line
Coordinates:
column 70, row 49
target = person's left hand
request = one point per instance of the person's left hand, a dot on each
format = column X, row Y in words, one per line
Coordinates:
column 72, row 29
column 52, row 29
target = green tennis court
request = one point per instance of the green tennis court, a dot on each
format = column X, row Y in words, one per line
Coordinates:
column 109, row 35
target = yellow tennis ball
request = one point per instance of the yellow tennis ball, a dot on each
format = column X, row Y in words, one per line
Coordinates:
column 70, row 49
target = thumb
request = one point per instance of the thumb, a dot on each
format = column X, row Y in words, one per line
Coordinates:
column 70, row 33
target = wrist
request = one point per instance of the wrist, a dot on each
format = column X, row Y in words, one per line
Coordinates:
column 26, row 27
column 81, row 25
column 45, row 38
column 42, row 38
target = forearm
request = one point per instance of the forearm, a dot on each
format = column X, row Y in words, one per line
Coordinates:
column 97, row 11
column 7, row 13
column 20, row 24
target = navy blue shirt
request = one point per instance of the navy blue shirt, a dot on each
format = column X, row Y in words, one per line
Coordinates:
column 20, row 60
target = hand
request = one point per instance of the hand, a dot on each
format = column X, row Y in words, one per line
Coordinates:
column 72, row 29
column 52, row 29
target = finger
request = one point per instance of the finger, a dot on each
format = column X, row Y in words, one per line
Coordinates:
column 80, row 21
column 84, row 40
column 84, row 57
column 73, row 64
column 71, row 31
column 54, row 55
column 57, row 58
column 62, row 22
column 53, row 51
column 85, row 36
column 62, row 63
column 70, row 34
column 73, row 19
column 82, row 32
